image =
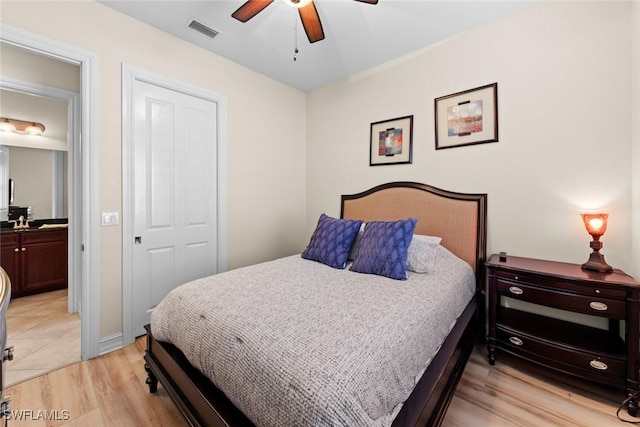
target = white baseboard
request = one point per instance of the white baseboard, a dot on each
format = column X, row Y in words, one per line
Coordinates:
column 110, row 343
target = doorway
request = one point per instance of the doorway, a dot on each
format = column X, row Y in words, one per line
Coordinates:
column 38, row 166
column 83, row 189
column 43, row 314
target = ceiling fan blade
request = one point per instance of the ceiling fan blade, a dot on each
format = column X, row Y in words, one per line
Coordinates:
column 368, row 1
column 311, row 22
column 250, row 9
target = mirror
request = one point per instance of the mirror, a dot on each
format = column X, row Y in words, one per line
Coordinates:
column 39, row 181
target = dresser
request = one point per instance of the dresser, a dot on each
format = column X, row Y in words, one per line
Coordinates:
column 557, row 315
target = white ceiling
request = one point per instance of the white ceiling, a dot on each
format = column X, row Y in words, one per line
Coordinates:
column 358, row 36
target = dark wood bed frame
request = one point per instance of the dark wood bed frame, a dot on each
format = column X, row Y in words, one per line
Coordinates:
column 459, row 218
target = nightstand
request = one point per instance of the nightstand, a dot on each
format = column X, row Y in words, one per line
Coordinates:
column 574, row 321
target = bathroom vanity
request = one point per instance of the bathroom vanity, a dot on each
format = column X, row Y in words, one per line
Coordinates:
column 35, row 259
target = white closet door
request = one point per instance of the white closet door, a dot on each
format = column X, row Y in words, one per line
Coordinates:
column 174, row 169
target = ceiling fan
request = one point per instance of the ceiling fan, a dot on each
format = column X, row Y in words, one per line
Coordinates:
column 306, row 8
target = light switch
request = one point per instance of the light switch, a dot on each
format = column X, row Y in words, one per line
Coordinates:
column 110, row 218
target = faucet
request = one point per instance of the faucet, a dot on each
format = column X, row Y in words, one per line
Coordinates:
column 19, row 225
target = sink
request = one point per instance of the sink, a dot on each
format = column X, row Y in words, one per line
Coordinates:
column 52, row 226
column 36, row 224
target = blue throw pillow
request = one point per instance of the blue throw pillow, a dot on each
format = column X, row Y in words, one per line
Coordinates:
column 331, row 241
column 383, row 248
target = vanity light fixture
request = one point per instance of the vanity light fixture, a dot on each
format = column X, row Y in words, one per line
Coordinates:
column 34, row 129
column 596, row 225
column 7, row 126
column 21, row 126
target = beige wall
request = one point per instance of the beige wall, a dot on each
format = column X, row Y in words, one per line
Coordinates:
column 40, row 71
column 563, row 71
column 31, row 67
column 265, row 133
column 566, row 134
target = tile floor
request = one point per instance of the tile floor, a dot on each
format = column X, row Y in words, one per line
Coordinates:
column 44, row 336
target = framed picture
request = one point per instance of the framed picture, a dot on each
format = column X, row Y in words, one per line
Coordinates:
column 467, row 118
column 392, row 142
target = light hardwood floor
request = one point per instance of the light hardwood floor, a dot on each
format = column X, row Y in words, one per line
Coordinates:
column 516, row 393
column 43, row 334
column 111, row 391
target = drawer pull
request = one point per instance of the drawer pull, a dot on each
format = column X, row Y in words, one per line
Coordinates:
column 600, row 306
column 517, row 341
column 596, row 364
column 516, row 290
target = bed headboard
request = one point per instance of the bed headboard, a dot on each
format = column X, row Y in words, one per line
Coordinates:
column 459, row 218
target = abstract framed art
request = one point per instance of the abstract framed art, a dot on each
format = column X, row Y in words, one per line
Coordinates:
column 391, row 142
column 467, row 118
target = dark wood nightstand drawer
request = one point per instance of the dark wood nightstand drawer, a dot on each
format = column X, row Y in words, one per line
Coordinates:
column 599, row 367
column 550, row 329
column 560, row 284
column 593, row 305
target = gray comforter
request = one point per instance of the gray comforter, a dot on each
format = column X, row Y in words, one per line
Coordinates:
column 293, row 342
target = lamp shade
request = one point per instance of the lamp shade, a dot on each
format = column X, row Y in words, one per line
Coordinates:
column 596, row 224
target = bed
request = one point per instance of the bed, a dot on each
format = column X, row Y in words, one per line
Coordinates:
column 458, row 219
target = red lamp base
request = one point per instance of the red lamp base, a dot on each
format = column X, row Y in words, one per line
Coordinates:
column 596, row 262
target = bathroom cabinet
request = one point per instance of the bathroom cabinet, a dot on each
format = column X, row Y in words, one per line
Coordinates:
column 35, row 260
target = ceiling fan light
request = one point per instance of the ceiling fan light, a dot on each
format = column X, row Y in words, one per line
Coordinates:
column 297, row 3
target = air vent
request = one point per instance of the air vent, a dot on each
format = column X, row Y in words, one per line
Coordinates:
column 203, row 29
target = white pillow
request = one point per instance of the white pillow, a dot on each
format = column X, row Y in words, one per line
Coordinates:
column 355, row 246
column 422, row 253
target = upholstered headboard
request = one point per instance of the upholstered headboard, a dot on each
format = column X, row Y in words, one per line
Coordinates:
column 458, row 218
